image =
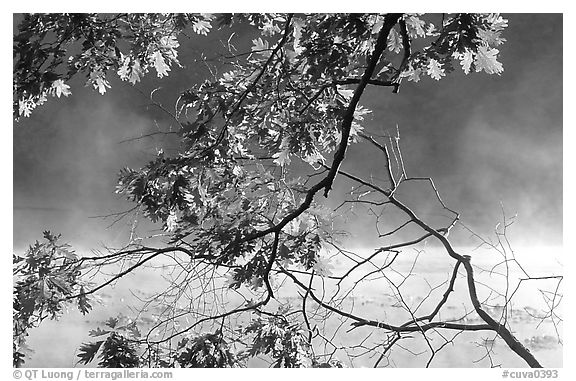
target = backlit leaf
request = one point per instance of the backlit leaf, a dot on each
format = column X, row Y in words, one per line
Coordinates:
column 435, row 70
column 486, row 59
column 394, row 41
column 259, row 44
column 415, row 26
column 99, row 83
column 160, row 65
column 201, row 27
column 60, row 88
column 466, row 60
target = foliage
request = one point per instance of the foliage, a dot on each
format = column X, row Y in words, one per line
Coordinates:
column 285, row 342
column 209, row 350
column 328, row 47
column 117, row 347
column 238, row 198
column 45, row 278
column 120, row 345
column 288, row 99
column 128, row 44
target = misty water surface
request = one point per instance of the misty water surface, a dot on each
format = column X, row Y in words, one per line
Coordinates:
column 56, row 343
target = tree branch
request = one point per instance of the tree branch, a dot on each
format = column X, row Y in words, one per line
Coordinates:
column 269, row 267
column 375, row 82
column 407, row 52
column 359, row 322
column 381, row 43
column 502, row 331
column 326, row 182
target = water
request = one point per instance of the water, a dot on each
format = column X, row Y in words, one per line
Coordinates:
column 56, row 342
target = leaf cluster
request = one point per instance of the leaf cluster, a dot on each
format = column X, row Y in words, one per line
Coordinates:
column 117, row 347
column 282, row 340
column 45, row 277
column 50, row 49
column 209, row 350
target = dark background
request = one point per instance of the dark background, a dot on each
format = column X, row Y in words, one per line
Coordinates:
column 486, row 140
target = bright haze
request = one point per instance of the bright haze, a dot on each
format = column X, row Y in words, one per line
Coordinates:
column 489, row 142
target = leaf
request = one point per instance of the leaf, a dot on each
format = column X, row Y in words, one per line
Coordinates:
column 314, row 158
column 299, row 24
column 486, row 59
column 360, row 111
column 270, row 28
column 59, row 283
column 66, row 252
column 293, row 227
column 377, row 24
column 88, row 351
column 132, row 328
column 172, row 221
column 412, row 74
column 431, row 30
column 355, row 129
column 98, row 332
column 28, row 304
column 43, row 288
column 435, row 70
column 83, row 305
column 415, row 26
column 282, row 158
column 169, row 42
column 137, row 73
column 466, row 60
column 491, row 37
column 60, row 88
column 99, row 83
column 133, row 73
column 498, row 22
column 112, row 322
column 25, row 107
column 394, row 41
column 345, row 93
column 16, row 258
column 231, row 281
column 259, row 45
column 160, row 65
column 201, row 27
column 386, row 69
column 237, row 171
column 256, row 283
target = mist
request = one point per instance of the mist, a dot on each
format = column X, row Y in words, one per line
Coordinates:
column 492, row 144
column 489, row 142
column 65, row 171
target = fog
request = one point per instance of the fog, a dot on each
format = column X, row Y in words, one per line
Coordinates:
column 488, row 141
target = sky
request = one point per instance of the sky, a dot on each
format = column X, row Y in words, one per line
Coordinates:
column 488, row 141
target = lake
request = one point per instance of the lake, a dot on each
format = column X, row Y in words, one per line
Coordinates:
column 56, row 342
